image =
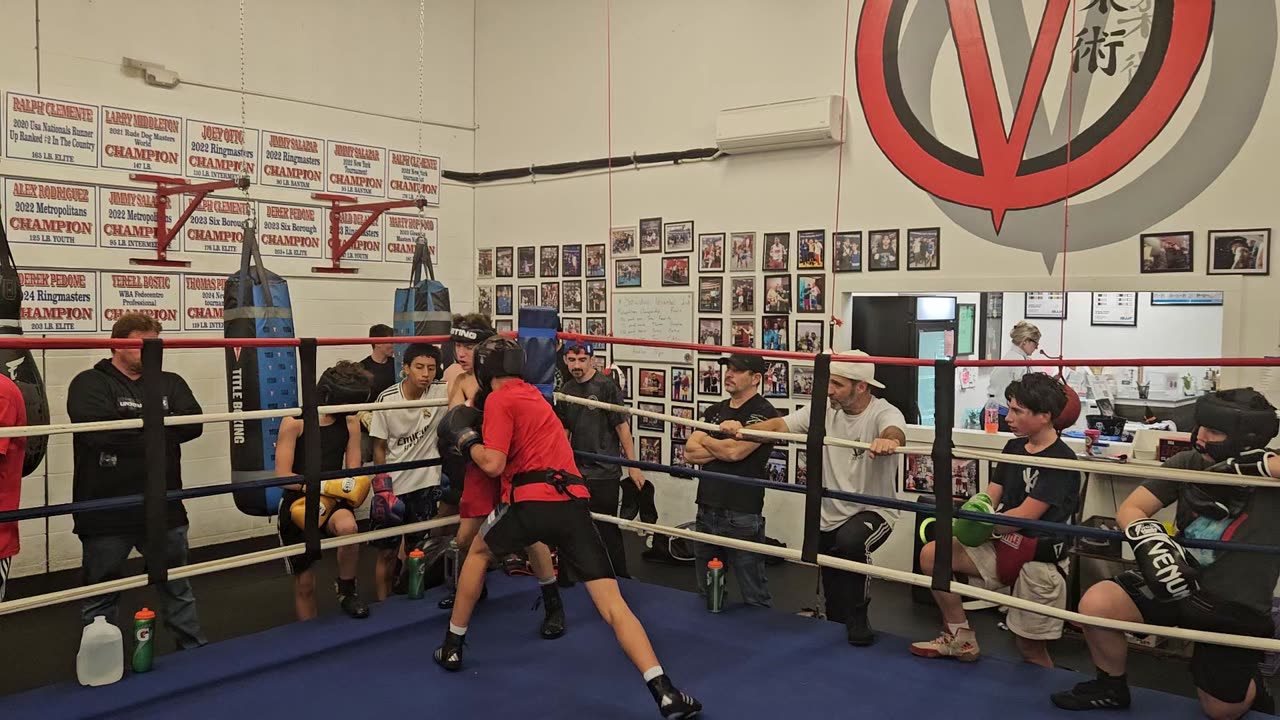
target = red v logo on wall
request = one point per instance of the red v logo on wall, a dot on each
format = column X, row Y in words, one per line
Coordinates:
column 1001, row 178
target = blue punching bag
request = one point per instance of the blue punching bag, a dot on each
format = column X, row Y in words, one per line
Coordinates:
column 422, row 309
column 18, row 365
column 256, row 305
column 537, row 335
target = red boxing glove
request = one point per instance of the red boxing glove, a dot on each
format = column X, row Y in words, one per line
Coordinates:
column 386, row 510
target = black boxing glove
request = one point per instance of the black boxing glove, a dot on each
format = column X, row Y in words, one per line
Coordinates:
column 1163, row 562
column 1255, row 463
column 459, row 429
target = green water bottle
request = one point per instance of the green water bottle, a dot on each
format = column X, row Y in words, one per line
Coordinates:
column 715, row 585
column 144, row 625
column 417, row 568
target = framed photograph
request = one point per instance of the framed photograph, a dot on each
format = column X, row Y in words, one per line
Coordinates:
column 675, row 271
column 682, row 384
column 622, row 376
column 600, row 362
column 528, row 257
column 704, row 406
column 503, row 326
column 678, row 237
column 528, row 296
column 742, row 295
column 626, row 273
column 651, row 449
column 711, row 252
column 681, row 432
column 777, row 293
column 571, row 296
column 677, row 456
column 1166, row 252
column 653, row 383
column 484, row 263
column 595, row 261
column 710, row 294
column 572, row 325
column 1116, row 309
column 777, row 251
column 742, row 333
column 924, row 249
column 802, row 467
column 776, row 379
column 966, row 327
column 651, row 235
column 644, row 423
column 1240, row 252
column 484, row 299
column 623, row 242
column 801, row 381
column 847, row 255
column 776, row 467
column 711, row 331
column 571, row 260
column 599, row 327
column 503, row 262
column 774, row 332
column 918, row 476
column 710, row 378
column 742, row 257
column 502, row 300
column 597, row 296
column 811, row 249
column 549, row 266
column 809, row 336
column 1050, row 305
column 811, row 293
column 882, row 249
column 1190, row 297
column 551, row 294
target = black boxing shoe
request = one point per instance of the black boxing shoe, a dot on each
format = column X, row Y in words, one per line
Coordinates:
column 1104, row 693
column 553, row 622
column 349, row 599
column 673, row 704
column 446, row 603
column 449, row 655
column 859, row 629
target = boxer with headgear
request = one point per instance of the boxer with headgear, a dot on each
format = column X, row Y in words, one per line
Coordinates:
column 478, row 494
column 346, row 383
column 519, row 441
column 1211, row 590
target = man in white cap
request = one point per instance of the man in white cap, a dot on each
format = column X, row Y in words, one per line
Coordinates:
column 851, row 530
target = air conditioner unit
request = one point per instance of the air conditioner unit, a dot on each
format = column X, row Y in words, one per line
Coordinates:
column 780, row 125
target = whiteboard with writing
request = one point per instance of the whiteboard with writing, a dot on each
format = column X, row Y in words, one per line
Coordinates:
column 653, row 316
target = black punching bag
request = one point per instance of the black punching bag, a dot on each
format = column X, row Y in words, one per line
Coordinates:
column 18, row 365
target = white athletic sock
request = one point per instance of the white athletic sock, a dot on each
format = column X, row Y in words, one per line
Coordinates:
column 652, row 673
column 548, row 581
column 457, row 630
column 955, row 628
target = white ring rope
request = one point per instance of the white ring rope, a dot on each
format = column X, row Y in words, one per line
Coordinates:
column 173, row 420
column 212, row 566
column 793, row 555
column 1152, row 472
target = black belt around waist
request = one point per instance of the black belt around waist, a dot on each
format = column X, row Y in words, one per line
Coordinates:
column 559, row 479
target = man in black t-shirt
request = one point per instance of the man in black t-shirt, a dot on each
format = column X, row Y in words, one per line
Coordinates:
column 1028, row 564
column 728, row 508
column 601, row 432
column 380, row 365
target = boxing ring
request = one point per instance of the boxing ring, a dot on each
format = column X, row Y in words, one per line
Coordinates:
column 384, row 661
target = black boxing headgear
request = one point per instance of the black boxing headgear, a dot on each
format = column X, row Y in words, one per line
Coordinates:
column 469, row 334
column 1244, row 415
column 336, row 387
column 497, row 357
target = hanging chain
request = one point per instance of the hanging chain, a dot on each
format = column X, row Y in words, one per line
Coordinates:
column 250, row 218
column 422, row 49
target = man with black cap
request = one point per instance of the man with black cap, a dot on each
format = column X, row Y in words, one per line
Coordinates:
column 727, row 508
column 851, row 530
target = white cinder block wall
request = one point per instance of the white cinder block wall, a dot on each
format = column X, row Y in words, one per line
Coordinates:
column 319, row 68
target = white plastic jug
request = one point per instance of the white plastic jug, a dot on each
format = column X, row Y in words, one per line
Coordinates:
column 101, row 657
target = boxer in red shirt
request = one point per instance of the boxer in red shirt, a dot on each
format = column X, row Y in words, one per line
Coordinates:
column 13, row 413
column 543, row 499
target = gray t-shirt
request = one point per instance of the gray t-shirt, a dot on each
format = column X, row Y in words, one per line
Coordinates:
column 1246, row 578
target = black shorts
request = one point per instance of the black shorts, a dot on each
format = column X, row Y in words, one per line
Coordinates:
column 565, row 526
column 291, row 534
column 1222, row 672
column 419, row 506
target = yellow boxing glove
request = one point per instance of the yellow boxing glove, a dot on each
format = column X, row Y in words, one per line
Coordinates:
column 353, row 489
column 298, row 511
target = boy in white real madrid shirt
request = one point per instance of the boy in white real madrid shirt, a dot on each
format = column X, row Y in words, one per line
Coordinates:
column 404, row 435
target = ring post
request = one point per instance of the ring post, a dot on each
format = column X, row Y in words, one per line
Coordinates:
column 310, row 447
column 155, row 505
column 813, row 449
column 944, row 419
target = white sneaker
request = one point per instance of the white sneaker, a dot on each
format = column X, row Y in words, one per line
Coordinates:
column 962, row 646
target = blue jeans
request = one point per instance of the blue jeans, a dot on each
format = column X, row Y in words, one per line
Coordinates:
column 103, row 559
column 748, row 568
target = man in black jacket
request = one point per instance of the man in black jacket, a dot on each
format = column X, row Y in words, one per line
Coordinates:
column 112, row 463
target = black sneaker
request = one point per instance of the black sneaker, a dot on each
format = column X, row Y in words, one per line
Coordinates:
column 859, row 629
column 673, row 704
column 351, row 603
column 449, row 655
column 446, row 603
column 1100, row 694
column 553, row 622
